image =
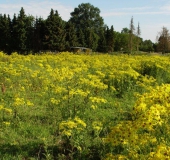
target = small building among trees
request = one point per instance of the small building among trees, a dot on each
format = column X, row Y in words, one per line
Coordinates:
column 80, row 50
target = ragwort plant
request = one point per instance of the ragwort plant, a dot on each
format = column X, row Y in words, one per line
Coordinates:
column 146, row 136
column 70, row 106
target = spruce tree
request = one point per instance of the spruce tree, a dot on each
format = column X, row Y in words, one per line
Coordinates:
column 81, row 38
column 110, row 39
column 5, row 32
column 102, row 40
column 29, row 33
column 38, row 34
column 54, row 38
column 71, row 36
column 131, row 35
column 14, row 35
column 21, row 30
column 138, row 33
column 91, row 39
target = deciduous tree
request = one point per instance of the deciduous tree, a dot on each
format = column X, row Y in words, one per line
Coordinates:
column 163, row 40
column 88, row 22
column 147, row 46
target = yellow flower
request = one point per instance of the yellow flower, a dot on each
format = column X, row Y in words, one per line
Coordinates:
column 6, row 123
column 98, row 100
column 1, row 107
column 79, row 121
column 55, row 101
column 97, row 125
column 30, row 103
column 93, row 107
column 71, row 124
column 67, row 132
column 18, row 101
column 8, row 110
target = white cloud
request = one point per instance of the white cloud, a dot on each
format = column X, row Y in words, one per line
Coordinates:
column 153, row 13
column 135, row 8
column 165, row 8
column 137, row 11
column 109, row 14
column 37, row 8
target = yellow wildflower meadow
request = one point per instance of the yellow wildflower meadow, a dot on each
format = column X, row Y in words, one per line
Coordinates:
column 97, row 106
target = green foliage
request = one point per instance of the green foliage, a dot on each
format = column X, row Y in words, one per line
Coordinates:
column 102, row 41
column 147, row 46
column 125, row 30
column 39, row 30
column 88, row 23
column 92, row 39
column 86, row 28
column 14, row 35
column 110, row 38
column 21, row 31
column 121, row 42
column 5, row 28
column 71, row 36
column 54, row 38
column 163, row 41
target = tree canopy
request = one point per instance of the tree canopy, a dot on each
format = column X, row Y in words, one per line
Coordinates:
column 85, row 28
column 88, row 24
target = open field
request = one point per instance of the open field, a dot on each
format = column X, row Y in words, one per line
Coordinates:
column 93, row 107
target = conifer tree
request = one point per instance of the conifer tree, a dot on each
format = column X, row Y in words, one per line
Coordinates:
column 91, row 39
column 38, row 34
column 102, row 40
column 138, row 36
column 54, row 38
column 14, row 35
column 131, row 35
column 71, row 36
column 5, row 32
column 110, row 39
column 81, row 38
column 29, row 33
column 20, row 28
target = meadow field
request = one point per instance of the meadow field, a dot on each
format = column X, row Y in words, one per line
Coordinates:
column 84, row 107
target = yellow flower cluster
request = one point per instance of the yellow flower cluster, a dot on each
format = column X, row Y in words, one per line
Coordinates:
column 98, row 100
column 70, row 126
column 150, row 115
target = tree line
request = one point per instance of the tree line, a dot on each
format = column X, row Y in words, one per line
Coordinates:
column 85, row 28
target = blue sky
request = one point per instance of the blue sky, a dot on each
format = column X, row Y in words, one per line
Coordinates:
column 152, row 15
